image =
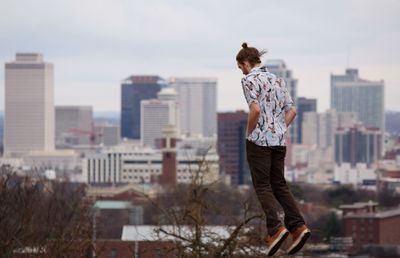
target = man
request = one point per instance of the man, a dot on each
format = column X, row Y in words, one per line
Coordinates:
column 271, row 112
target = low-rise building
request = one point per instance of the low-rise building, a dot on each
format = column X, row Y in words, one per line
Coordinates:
column 366, row 225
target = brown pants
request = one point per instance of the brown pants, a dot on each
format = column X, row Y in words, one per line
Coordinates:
column 266, row 164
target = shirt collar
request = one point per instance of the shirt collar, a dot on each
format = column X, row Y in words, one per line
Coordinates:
column 261, row 68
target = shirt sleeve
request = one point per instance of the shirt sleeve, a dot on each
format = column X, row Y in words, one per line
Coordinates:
column 251, row 91
column 287, row 99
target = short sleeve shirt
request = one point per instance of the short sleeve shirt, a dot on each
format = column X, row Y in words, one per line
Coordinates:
column 270, row 93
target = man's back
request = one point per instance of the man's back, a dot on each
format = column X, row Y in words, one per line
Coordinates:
column 270, row 92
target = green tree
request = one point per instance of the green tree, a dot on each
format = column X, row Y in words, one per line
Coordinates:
column 332, row 226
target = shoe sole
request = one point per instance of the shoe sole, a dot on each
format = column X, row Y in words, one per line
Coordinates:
column 296, row 246
column 277, row 243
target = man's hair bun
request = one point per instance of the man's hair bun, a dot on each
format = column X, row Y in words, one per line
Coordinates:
column 250, row 54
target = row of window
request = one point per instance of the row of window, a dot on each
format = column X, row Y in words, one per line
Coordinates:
column 147, row 178
column 129, row 170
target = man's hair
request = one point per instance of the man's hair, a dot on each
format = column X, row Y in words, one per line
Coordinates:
column 250, row 54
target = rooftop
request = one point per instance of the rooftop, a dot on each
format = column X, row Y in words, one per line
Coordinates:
column 112, row 205
column 358, row 205
column 148, row 232
column 376, row 215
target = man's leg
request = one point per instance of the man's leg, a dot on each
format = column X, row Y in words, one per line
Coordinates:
column 259, row 160
column 293, row 218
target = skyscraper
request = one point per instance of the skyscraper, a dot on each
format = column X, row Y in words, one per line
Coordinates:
column 278, row 67
column 358, row 144
column 134, row 89
column 29, row 105
column 304, row 105
column 319, row 128
column 73, row 125
column 156, row 114
column 350, row 93
column 197, row 101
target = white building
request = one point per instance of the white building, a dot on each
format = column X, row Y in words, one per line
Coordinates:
column 135, row 163
column 29, row 105
column 311, row 164
column 319, row 128
column 73, row 125
column 197, row 100
column 59, row 163
column 359, row 176
column 152, row 233
column 155, row 114
column 63, row 162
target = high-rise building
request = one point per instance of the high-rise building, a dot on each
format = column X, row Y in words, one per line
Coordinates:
column 319, row 128
column 232, row 146
column 73, row 125
column 350, row 93
column 133, row 90
column 107, row 134
column 29, row 105
column 197, row 101
column 278, row 67
column 304, row 105
column 358, row 144
column 156, row 114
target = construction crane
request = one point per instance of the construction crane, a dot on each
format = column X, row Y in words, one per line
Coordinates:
column 93, row 135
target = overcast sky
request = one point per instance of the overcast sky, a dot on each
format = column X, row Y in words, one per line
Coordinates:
column 94, row 44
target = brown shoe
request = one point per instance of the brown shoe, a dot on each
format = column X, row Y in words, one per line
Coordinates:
column 299, row 237
column 275, row 241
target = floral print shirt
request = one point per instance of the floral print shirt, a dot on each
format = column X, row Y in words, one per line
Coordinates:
column 270, row 92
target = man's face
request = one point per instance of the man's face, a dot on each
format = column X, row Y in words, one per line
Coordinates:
column 245, row 67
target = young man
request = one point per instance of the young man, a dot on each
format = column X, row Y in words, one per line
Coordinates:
column 271, row 112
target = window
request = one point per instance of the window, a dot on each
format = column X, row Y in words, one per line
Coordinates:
column 159, row 254
column 113, row 253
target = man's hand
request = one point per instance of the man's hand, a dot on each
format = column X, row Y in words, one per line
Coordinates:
column 253, row 117
column 290, row 115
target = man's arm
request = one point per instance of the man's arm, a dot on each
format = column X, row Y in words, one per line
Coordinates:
column 252, row 118
column 288, row 106
column 251, row 92
column 290, row 115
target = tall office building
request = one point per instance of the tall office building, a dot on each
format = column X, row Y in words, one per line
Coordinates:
column 133, row 90
column 319, row 128
column 350, row 93
column 156, row 114
column 108, row 134
column 304, row 105
column 358, row 144
column 197, row 100
column 73, row 125
column 232, row 146
column 171, row 96
column 29, row 105
column 278, row 67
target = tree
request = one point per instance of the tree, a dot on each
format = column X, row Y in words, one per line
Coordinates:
column 332, row 227
column 43, row 218
column 198, row 204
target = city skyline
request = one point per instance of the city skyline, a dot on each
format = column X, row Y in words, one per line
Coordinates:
column 198, row 39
